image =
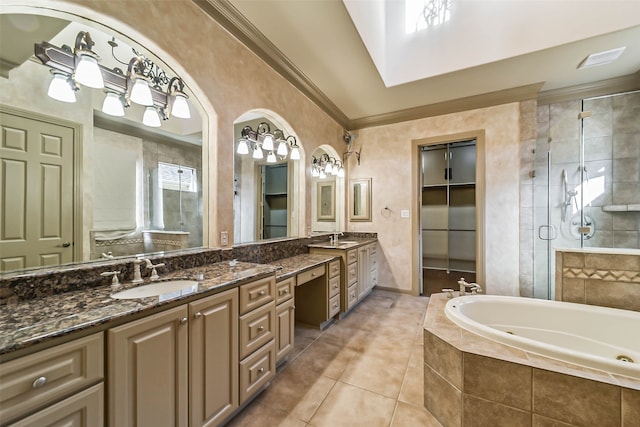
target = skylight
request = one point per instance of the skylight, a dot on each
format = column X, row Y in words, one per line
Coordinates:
column 423, row 14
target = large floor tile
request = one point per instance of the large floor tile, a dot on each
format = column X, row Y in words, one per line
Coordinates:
column 412, row 390
column 407, row 415
column 379, row 375
column 351, row 406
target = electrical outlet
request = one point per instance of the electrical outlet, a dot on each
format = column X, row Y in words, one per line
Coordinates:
column 404, row 213
column 224, row 238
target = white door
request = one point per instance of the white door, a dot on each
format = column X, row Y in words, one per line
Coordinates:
column 36, row 193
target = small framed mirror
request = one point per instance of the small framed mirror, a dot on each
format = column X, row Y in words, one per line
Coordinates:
column 360, row 199
column 326, row 201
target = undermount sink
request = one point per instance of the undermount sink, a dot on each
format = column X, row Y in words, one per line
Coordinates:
column 164, row 290
column 345, row 242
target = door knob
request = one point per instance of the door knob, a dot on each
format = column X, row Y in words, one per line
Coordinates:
column 66, row 244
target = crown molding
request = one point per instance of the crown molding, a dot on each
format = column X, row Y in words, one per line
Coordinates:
column 602, row 87
column 240, row 27
column 490, row 99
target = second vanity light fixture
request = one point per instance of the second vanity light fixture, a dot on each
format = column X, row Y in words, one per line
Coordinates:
column 325, row 165
column 273, row 143
column 72, row 69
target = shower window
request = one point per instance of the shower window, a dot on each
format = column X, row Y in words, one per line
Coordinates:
column 176, row 177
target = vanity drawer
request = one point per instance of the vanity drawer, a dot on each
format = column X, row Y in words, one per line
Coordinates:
column 352, row 274
column 352, row 256
column 334, row 305
column 256, row 329
column 334, row 268
column 309, row 275
column 334, row 286
column 40, row 378
column 352, row 296
column 256, row 370
column 257, row 294
column 284, row 290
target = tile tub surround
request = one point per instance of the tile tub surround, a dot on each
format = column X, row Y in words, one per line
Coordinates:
column 40, row 283
column 470, row 380
column 37, row 320
column 605, row 277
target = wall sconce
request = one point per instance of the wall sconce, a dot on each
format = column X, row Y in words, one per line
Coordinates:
column 325, row 165
column 262, row 139
column 143, row 82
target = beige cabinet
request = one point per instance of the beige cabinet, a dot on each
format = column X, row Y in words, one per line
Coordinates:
column 148, row 371
column 62, row 383
column 367, row 269
column 257, row 325
column 285, row 318
column 178, row 367
column 213, row 358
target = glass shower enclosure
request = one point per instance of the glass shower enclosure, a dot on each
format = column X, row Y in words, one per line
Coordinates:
column 586, row 190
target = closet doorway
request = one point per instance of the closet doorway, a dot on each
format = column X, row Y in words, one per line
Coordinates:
column 448, row 219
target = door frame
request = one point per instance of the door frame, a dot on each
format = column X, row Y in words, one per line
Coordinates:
column 416, row 202
column 77, row 208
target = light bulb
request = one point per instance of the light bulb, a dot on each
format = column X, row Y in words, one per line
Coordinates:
column 151, row 117
column 322, row 174
column 61, row 89
column 88, row 72
column 341, row 173
column 140, row 93
column 335, row 171
column 112, row 105
column 328, row 168
column 243, row 148
column 295, row 153
column 180, row 107
column 267, row 143
column 282, row 149
column 314, row 172
column 257, row 152
column 271, row 158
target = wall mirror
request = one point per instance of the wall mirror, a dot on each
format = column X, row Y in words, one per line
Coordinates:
column 327, row 198
column 268, row 183
column 360, row 199
column 125, row 189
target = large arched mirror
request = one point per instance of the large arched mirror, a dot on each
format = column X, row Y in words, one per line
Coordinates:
column 111, row 185
column 268, row 178
column 327, row 190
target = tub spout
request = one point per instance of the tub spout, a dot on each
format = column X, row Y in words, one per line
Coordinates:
column 473, row 287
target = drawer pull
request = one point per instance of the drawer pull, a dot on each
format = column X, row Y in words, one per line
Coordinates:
column 184, row 321
column 261, row 370
column 39, row 382
column 197, row 315
column 261, row 293
column 335, row 305
column 260, row 328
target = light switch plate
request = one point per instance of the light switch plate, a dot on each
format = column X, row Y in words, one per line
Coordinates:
column 224, row 238
column 404, row 213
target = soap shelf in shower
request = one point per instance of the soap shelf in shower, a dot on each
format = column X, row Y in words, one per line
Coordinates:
column 622, row 208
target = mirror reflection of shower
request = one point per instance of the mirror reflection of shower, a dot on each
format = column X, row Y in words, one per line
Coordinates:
column 570, row 200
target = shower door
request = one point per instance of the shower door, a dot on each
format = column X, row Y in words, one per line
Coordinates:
column 586, row 185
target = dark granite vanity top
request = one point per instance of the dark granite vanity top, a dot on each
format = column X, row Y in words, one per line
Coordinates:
column 34, row 321
column 344, row 243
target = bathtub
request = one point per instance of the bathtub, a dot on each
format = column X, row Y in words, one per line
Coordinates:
column 606, row 339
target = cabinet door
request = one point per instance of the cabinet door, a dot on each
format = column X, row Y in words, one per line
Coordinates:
column 213, row 358
column 148, row 371
column 434, row 166
column 285, row 322
column 363, row 271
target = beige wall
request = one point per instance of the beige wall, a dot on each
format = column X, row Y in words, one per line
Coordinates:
column 394, row 187
column 229, row 80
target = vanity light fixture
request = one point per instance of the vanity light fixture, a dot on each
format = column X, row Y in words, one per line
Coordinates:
column 255, row 141
column 325, row 165
column 143, row 83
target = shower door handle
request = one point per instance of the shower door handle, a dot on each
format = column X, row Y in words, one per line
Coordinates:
column 552, row 234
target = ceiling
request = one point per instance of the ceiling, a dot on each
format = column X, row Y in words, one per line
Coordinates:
column 498, row 51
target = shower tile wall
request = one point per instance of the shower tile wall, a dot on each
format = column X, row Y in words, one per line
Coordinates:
column 612, row 160
column 528, row 134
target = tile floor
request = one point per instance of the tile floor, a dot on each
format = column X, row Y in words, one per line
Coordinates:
column 364, row 370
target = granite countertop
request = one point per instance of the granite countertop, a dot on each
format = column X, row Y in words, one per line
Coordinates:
column 347, row 243
column 37, row 320
column 291, row 266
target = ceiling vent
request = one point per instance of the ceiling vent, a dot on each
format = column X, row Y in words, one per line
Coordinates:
column 601, row 58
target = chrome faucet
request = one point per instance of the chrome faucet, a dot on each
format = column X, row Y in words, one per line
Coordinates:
column 154, row 273
column 137, row 277
column 474, row 287
column 334, row 239
column 115, row 283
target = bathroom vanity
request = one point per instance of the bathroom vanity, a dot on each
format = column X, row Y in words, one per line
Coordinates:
column 188, row 359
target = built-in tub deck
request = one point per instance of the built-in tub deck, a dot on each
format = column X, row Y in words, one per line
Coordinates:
column 468, row 375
